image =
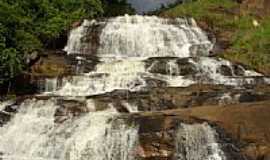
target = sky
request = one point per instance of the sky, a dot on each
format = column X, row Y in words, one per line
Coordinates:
column 148, row 5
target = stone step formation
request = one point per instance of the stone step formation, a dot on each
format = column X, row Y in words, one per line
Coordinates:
column 142, row 87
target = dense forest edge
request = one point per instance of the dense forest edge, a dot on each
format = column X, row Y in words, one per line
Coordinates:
column 241, row 29
column 28, row 28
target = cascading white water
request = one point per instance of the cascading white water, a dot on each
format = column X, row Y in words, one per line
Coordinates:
column 93, row 85
column 17, row 139
column 197, row 142
column 51, row 84
column 142, row 36
column 131, row 74
column 125, row 43
column 4, row 104
column 106, row 78
column 132, row 51
column 34, row 134
column 75, row 44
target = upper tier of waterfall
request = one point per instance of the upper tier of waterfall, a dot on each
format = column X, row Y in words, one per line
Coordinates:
column 136, row 50
column 140, row 36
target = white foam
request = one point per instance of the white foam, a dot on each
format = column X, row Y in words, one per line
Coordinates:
column 34, row 134
column 141, row 36
column 198, row 142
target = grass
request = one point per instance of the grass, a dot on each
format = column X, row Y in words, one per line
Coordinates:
column 247, row 44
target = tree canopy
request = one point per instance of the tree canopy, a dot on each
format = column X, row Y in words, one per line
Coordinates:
column 28, row 26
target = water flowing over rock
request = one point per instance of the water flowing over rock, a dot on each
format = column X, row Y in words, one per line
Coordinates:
column 138, row 52
column 135, row 75
column 34, row 134
column 197, row 142
column 51, row 84
column 141, row 36
column 128, row 70
column 4, row 115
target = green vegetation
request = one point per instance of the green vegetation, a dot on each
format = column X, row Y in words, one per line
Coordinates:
column 117, row 7
column 29, row 26
column 244, row 42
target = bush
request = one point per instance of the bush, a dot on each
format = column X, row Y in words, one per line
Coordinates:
column 29, row 26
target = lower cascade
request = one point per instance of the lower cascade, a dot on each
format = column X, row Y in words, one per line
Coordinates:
column 100, row 113
column 34, row 134
column 197, row 142
column 39, row 132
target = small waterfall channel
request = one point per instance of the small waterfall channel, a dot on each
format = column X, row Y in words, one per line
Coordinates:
column 135, row 53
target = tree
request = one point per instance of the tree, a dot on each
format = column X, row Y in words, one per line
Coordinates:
column 117, row 7
column 30, row 26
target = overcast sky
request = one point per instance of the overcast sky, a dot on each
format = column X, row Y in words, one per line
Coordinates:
column 148, row 5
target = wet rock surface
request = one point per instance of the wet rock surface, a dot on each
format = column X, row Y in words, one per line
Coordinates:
column 4, row 118
column 242, row 130
column 158, row 132
column 242, row 125
column 158, row 99
column 160, row 65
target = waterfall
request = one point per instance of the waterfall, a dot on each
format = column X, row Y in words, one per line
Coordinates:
column 100, row 84
column 135, row 53
column 134, row 49
column 197, row 142
column 34, row 134
column 132, row 74
column 122, row 37
column 75, row 44
column 142, row 36
column 51, row 84
column 5, row 103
